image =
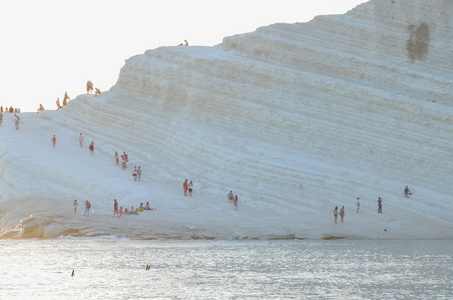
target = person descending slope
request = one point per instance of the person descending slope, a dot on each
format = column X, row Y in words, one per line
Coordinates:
column 16, row 121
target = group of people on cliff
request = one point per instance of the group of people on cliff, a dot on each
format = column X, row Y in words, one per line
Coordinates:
column 341, row 213
column 9, row 110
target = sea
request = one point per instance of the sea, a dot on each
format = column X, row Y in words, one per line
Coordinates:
column 114, row 268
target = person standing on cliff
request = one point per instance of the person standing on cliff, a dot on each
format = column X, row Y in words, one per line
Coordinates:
column 89, row 87
column 65, row 98
column 184, row 185
column 91, row 148
column 407, row 192
column 190, row 187
column 134, row 173
column 75, row 203
column 139, row 174
column 80, row 140
column 115, row 207
column 342, row 214
column 87, row 208
column 379, row 205
column 335, row 214
column 54, row 140
column 116, row 158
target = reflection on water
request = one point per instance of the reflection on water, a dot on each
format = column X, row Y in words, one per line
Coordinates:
column 115, row 269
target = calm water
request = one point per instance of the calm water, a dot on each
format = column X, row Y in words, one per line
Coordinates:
column 107, row 268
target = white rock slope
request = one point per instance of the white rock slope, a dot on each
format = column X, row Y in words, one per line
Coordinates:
column 294, row 118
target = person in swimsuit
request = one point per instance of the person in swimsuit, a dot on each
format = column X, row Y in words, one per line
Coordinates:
column 117, row 158
column 87, row 208
column 230, row 196
column 335, row 214
column 134, row 173
column 342, row 214
column 75, row 203
column 184, row 185
column 65, row 98
column 190, row 187
column 123, row 164
column 139, row 173
column 115, row 207
column 16, row 121
column 91, row 148
column 80, row 140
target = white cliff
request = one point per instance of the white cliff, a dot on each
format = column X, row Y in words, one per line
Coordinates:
column 294, row 118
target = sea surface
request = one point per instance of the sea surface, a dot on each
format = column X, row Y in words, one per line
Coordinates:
column 111, row 268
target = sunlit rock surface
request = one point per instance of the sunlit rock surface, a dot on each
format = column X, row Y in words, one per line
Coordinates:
column 293, row 118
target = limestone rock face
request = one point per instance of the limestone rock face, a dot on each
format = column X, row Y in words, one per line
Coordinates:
column 295, row 118
column 371, row 90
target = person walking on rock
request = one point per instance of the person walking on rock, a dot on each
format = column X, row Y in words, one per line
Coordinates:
column 16, row 121
column 235, row 202
column 358, row 204
column 379, row 205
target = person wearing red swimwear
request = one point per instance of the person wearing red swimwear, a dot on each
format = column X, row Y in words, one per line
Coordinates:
column 185, row 187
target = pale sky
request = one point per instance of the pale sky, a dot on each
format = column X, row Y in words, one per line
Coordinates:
column 52, row 46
